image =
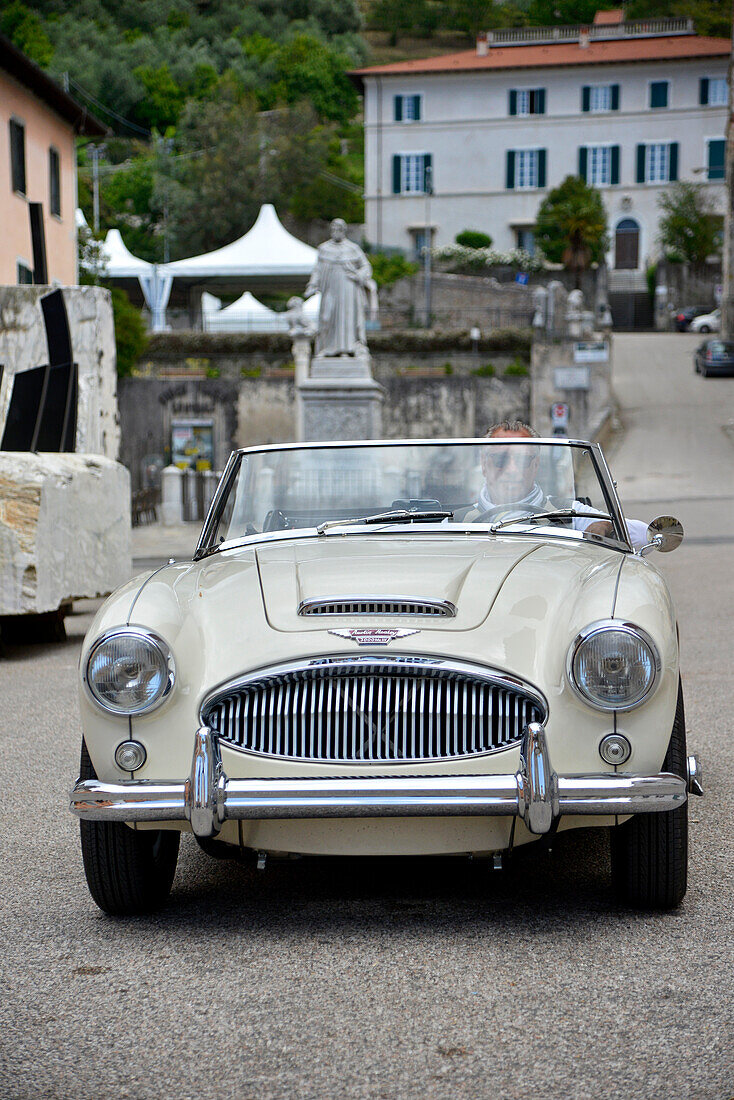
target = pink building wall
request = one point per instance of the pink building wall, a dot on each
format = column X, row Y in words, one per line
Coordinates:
column 44, row 129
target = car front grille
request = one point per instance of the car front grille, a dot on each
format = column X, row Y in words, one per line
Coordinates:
column 362, row 711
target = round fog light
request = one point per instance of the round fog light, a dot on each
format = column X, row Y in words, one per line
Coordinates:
column 130, row 755
column 615, row 749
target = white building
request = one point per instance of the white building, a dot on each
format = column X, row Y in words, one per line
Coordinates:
column 629, row 106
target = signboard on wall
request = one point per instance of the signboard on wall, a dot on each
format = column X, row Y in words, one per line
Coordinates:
column 571, row 378
column 192, row 444
column 591, row 351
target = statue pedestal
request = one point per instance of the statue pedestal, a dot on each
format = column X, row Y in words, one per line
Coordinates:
column 342, row 366
column 340, row 399
column 341, row 408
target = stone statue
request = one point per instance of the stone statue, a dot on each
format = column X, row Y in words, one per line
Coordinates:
column 343, row 275
column 298, row 323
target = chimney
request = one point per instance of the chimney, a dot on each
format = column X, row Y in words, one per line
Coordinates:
column 482, row 45
column 584, row 38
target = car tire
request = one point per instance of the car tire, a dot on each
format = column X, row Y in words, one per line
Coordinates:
column 128, row 873
column 650, row 851
column 704, row 328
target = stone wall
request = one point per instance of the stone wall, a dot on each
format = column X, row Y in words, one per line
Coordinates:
column 23, row 346
column 248, row 411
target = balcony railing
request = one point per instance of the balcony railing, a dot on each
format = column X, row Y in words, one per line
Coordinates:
column 639, row 28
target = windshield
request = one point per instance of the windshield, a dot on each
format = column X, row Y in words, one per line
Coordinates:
column 500, row 482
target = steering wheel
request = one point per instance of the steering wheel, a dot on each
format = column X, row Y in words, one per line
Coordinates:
column 276, row 520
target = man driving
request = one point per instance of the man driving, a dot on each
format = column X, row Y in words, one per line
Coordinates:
column 511, row 490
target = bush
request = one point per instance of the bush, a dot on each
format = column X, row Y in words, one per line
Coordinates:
column 472, row 238
column 485, row 371
column 517, row 368
column 386, row 270
column 131, row 339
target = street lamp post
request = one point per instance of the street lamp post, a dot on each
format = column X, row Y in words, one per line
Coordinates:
column 428, row 241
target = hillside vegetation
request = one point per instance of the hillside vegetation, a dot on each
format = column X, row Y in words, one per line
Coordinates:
column 216, row 106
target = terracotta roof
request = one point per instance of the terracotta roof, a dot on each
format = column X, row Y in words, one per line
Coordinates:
column 614, row 51
column 609, row 18
column 16, row 64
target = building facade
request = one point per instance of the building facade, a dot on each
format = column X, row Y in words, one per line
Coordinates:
column 475, row 140
column 39, row 123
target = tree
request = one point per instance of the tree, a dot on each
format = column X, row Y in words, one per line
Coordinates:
column 571, row 226
column 689, row 228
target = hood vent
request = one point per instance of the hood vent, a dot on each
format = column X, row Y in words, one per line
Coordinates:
column 377, row 605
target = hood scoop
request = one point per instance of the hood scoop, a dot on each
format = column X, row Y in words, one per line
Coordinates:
column 382, row 605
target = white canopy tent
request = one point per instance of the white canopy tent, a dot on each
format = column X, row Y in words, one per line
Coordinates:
column 247, row 314
column 155, row 282
column 266, row 251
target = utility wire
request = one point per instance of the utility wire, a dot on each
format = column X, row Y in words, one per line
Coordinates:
column 108, row 110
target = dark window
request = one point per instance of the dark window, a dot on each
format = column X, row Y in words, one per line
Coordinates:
column 25, row 275
column 17, row 155
column 659, row 93
column 716, row 159
column 54, row 182
column 411, row 173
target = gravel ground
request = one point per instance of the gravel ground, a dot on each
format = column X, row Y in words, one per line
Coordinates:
column 392, row 978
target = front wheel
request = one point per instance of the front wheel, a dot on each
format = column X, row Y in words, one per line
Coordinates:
column 650, row 851
column 128, row 872
column 704, row 328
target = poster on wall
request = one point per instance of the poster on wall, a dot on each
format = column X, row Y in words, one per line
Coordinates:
column 192, row 444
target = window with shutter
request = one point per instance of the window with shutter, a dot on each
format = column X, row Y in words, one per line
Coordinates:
column 718, row 92
column 17, row 156
column 716, row 150
column 54, row 183
column 658, row 94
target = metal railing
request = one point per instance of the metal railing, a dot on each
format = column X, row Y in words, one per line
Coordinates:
column 639, row 28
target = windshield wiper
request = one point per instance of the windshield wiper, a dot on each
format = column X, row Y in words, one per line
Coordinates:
column 538, row 517
column 401, row 515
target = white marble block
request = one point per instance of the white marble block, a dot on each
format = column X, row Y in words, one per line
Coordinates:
column 64, row 529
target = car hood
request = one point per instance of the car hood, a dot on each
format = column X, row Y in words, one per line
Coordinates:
column 467, row 576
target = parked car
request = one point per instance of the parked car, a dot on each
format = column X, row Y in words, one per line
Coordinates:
column 684, row 316
column 365, row 656
column 714, row 357
column 707, row 322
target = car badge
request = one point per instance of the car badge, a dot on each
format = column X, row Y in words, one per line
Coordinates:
column 377, row 635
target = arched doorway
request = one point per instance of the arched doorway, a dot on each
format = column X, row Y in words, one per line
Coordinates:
column 627, row 245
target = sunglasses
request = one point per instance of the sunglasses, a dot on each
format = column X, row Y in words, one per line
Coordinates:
column 521, row 459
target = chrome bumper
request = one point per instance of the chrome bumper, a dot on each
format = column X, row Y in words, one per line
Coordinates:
column 535, row 793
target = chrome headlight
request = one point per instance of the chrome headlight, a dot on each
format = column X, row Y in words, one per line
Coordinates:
column 129, row 671
column 613, row 665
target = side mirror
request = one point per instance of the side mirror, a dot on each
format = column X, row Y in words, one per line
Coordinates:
column 664, row 534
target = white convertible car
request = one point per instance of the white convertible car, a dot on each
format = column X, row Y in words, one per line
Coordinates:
column 398, row 648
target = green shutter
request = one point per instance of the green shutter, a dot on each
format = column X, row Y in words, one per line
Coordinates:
column 540, row 101
column 396, row 174
column 583, row 158
column 716, row 159
column 541, row 167
column 640, row 163
column 586, row 98
column 428, row 173
column 615, row 164
column 398, row 101
column 673, row 161
column 510, row 174
column 615, row 97
column 417, row 108
column 513, row 102
column 659, row 93
column 703, row 90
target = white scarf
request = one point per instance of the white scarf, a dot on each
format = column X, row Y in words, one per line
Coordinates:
column 515, row 508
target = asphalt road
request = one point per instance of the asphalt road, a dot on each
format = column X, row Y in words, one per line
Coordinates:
column 391, row 979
